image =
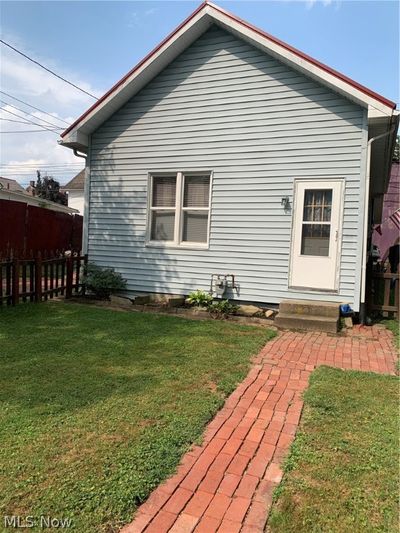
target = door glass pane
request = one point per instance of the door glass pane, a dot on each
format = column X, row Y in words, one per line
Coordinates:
column 162, row 225
column 164, row 191
column 315, row 239
column 195, row 225
column 196, row 191
column 317, row 205
column 327, row 214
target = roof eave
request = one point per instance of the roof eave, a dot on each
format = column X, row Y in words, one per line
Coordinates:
column 17, row 196
column 76, row 140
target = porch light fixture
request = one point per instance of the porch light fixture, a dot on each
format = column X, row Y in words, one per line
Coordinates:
column 285, row 202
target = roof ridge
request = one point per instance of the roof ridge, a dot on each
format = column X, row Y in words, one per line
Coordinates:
column 208, row 4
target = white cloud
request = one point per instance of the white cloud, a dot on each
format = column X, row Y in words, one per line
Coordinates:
column 29, row 78
column 136, row 18
column 23, row 153
column 311, row 3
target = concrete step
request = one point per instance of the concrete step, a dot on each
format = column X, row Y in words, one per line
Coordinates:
column 306, row 307
column 307, row 322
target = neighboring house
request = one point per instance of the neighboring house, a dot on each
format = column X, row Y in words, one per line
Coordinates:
column 391, row 202
column 24, row 197
column 31, row 189
column 7, row 184
column 75, row 192
column 226, row 151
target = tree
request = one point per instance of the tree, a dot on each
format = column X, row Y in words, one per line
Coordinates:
column 49, row 189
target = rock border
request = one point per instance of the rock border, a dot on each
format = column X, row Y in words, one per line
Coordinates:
column 125, row 304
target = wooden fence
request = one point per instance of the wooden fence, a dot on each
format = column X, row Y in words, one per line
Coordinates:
column 383, row 293
column 41, row 277
column 27, row 227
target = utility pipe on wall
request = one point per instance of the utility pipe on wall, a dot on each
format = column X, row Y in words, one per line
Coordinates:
column 86, row 209
column 363, row 315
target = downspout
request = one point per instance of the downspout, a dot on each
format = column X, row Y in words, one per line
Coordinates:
column 363, row 314
column 86, row 208
column 77, row 154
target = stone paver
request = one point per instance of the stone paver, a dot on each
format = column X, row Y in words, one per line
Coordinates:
column 226, row 484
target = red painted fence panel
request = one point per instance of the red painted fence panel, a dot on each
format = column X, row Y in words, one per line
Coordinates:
column 26, row 228
column 12, row 225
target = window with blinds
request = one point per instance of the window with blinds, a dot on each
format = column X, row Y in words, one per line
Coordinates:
column 163, row 208
column 195, row 208
column 180, row 209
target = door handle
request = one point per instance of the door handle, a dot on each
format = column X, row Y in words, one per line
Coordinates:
column 336, row 235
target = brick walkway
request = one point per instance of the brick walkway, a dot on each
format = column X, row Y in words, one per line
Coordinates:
column 226, row 484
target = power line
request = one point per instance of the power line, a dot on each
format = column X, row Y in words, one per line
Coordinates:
column 35, row 164
column 27, row 176
column 28, row 121
column 30, row 114
column 47, row 69
column 30, row 165
column 42, row 169
column 12, row 120
column 33, row 107
column 5, row 172
column 13, row 170
column 28, row 131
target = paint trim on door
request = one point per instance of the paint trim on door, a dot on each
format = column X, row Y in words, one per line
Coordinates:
column 317, row 180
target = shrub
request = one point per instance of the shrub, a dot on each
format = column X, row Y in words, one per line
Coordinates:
column 199, row 298
column 103, row 281
column 222, row 309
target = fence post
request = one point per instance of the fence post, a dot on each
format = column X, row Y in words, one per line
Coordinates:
column 69, row 277
column 369, row 287
column 85, row 263
column 38, row 278
column 15, row 281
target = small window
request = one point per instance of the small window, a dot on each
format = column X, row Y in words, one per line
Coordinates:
column 316, row 230
column 180, row 209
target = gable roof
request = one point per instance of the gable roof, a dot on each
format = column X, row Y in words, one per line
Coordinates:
column 10, row 185
column 76, row 136
column 77, row 183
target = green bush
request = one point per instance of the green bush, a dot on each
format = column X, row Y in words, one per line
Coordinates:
column 103, row 281
column 222, row 309
column 199, row 298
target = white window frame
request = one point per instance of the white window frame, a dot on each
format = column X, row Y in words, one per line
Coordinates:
column 179, row 210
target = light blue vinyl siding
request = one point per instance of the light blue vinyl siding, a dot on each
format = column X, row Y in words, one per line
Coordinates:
column 226, row 107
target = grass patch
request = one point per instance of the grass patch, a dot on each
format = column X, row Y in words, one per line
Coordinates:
column 97, row 407
column 342, row 472
column 394, row 327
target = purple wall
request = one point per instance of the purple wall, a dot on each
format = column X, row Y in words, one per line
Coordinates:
column 391, row 201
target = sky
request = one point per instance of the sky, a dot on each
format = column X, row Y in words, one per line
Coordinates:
column 93, row 44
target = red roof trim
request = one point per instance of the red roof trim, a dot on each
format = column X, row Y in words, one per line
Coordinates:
column 295, row 51
column 308, row 58
column 121, row 81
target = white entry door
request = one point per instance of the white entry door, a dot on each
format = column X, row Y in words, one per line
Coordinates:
column 316, row 234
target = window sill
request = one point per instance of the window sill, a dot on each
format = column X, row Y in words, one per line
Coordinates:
column 174, row 246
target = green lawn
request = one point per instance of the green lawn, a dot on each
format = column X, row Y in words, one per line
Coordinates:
column 342, row 473
column 97, row 406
